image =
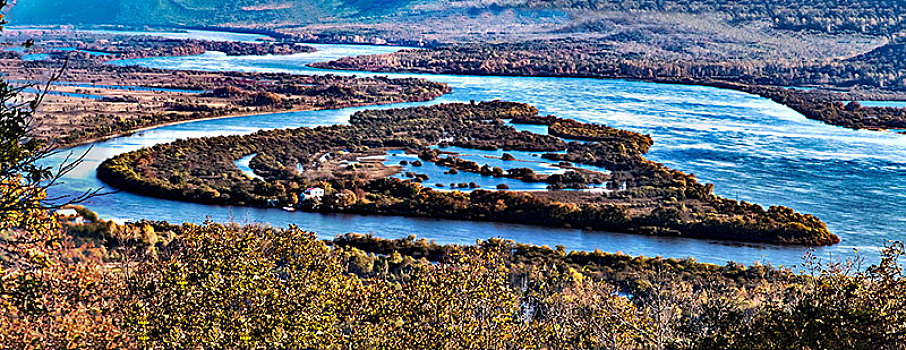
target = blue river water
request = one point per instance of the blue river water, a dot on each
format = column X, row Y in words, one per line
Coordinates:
column 894, row 104
column 751, row 148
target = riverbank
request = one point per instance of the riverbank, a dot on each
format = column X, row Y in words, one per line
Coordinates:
column 129, row 99
column 527, row 59
column 151, row 127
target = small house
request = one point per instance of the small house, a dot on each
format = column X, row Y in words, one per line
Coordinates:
column 315, row 192
column 70, row 215
column 312, row 193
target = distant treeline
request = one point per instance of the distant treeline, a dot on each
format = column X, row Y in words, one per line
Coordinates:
column 142, row 47
column 882, row 69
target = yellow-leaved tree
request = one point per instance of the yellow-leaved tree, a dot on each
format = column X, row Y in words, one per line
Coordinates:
column 45, row 302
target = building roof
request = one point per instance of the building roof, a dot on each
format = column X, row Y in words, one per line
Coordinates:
column 67, row 212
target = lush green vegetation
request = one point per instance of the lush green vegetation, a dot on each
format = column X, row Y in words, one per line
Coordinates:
column 657, row 200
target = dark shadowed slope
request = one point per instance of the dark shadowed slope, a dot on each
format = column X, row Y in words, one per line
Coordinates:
column 195, row 12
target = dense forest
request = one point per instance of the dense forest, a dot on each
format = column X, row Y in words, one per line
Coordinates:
column 656, row 200
column 365, row 292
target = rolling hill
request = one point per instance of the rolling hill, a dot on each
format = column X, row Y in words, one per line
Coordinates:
column 873, row 17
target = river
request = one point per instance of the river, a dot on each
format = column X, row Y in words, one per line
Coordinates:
column 751, row 148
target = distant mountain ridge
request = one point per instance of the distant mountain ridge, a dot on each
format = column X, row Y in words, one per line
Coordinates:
column 196, row 12
column 872, row 17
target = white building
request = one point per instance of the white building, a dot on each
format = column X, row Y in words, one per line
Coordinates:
column 312, row 193
column 315, row 192
column 70, row 215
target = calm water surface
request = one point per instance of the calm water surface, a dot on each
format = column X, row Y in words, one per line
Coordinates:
column 749, row 147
